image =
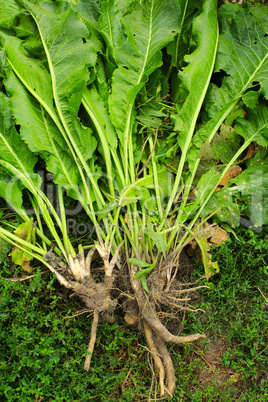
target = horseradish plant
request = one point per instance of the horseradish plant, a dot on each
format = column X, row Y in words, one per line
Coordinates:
column 150, row 119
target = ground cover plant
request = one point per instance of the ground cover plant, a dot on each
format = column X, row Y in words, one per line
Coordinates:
column 43, row 335
column 153, row 117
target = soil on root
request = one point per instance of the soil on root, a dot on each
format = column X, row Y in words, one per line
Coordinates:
column 170, row 295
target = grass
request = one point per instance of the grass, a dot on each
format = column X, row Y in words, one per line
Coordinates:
column 43, row 346
column 235, row 321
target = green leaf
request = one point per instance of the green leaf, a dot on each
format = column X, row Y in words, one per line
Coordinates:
column 199, row 68
column 108, row 208
column 89, row 12
column 181, row 44
column 165, row 180
column 255, row 127
column 88, row 9
column 12, row 149
column 30, row 71
column 226, row 227
column 146, row 270
column 144, row 284
column 229, row 210
column 111, row 27
column 148, row 201
column 157, row 238
column 19, row 256
column 200, row 64
column 133, row 192
column 225, row 144
column 42, row 135
column 142, row 273
column 207, row 182
column 9, row 9
column 69, row 53
column 97, row 110
column 11, row 192
column 149, row 121
column 148, row 28
column 252, row 183
column 211, row 268
column 251, row 98
column 243, row 56
column 138, row 262
column 260, row 13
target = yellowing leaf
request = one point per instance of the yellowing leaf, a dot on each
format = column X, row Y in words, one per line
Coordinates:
column 19, row 256
column 26, row 265
column 211, row 268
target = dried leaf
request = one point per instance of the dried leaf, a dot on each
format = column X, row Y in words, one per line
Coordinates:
column 219, row 236
column 26, row 265
column 232, row 173
column 235, row 377
column 252, row 149
column 126, row 219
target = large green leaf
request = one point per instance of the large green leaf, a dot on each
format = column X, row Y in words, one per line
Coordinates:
column 207, row 182
column 224, row 207
column 243, row 56
column 252, row 184
column 9, row 9
column 98, row 112
column 148, row 28
column 194, row 79
column 12, row 149
column 11, row 192
column 181, row 44
column 111, row 26
column 225, row 144
column 88, row 11
column 255, row 126
column 30, row 71
column 59, row 88
column 199, row 68
column 42, row 135
column 65, row 40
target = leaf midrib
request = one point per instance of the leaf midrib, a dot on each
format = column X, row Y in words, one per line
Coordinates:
column 255, row 72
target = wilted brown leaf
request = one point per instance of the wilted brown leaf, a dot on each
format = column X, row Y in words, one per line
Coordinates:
column 231, row 174
column 26, row 266
column 219, row 236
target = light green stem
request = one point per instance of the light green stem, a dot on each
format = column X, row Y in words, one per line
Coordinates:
column 156, row 182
